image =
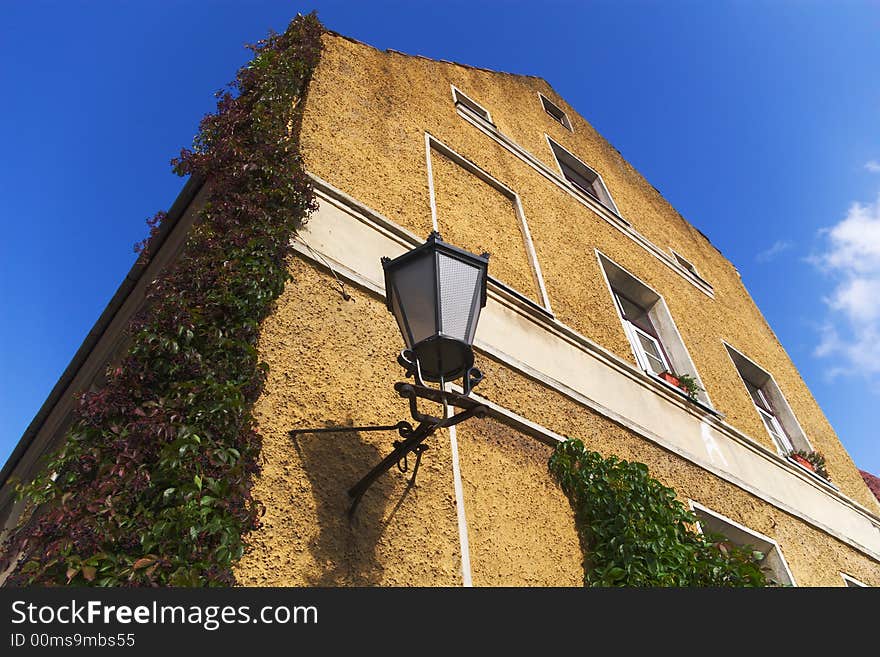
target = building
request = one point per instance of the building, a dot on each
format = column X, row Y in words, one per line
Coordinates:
column 598, row 286
column 873, row 482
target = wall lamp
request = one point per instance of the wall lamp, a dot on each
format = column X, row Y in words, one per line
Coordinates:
column 435, row 292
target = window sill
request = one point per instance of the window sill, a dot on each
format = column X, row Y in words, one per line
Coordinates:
column 696, row 402
column 812, row 473
column 461, row 107
column 595, row 199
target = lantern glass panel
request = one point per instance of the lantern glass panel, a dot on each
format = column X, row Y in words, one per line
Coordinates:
column 459, row 285
column 416, row 292
column 398, row 315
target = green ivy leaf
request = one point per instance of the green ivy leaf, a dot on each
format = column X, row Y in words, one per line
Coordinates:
column 634, row 530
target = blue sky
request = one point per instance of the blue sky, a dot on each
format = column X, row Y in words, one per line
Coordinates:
column 758, row 121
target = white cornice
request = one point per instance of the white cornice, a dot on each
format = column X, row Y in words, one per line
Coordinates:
column 398, row 239
column 614, row 219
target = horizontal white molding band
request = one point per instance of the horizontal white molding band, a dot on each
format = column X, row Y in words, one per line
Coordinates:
column 596, row 207
column 351, row 239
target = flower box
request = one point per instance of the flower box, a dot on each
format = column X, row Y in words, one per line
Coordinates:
column 669, row 377
column 804, row 462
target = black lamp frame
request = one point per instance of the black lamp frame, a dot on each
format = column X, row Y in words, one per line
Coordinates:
column 439, row 340
column 413, row 437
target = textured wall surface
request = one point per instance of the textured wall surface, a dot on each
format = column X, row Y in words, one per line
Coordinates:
column 478, row 217
column 815, row 558
column 520, row 524
column 333, row 361
column 363, row 132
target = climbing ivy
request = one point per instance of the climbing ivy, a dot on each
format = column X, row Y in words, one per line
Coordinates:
column 152, row 485
column 634, row 532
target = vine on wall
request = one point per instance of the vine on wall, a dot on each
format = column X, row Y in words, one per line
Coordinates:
column 152, row 485
column 634, row 532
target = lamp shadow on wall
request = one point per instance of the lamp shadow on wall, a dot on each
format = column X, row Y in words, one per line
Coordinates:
column 345, row 547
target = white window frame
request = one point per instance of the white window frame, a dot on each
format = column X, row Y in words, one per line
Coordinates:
column 776, row 430
column 675, row 353
column 601, row 194
column 689, row 266
column 661, row 356
column 472, row 107
column 632, row 333
column 769, row 547
column 852, row 582
column 791, row 435
column 555, row 112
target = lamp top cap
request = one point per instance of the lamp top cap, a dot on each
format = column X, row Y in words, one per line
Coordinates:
column 435, row 242
column 437, row 238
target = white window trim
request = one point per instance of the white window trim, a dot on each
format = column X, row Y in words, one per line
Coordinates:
column 605, row 213
column 459, row 105
column 692, row 270
column 432, row 143
column 803, row 434
column 642, row 358
column 778, row 434
column 849, row 580
column 758, row 535
column 660, row 352
column 613, row 206
column 407, row 240
column 707, row 402
column 566, row 122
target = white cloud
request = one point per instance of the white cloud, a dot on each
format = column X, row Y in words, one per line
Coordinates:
column 857, row 298
column 855, row 241
column 778, row 247
column 851, row 256
column 873, row 166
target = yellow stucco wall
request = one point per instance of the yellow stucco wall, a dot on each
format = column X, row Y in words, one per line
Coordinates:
column 521, row 528
column 477, row 217
column 364, row 132
column 814, row 557
column 333, row 361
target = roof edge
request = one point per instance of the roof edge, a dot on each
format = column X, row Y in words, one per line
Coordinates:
column 392, row 51
column 134, row 275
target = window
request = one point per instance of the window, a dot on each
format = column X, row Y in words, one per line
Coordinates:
column 471, row 106
column 689, row 266
column 770, row 405
column 768, row 415
column 852, row 582
column 555, row 111
column 772, row 562
column 655, row 341
column 642, row 334
column 686, row 264
column 581, row 177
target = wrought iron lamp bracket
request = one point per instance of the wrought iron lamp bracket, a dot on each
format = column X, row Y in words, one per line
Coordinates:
column 413, row 370
column 413, row 437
